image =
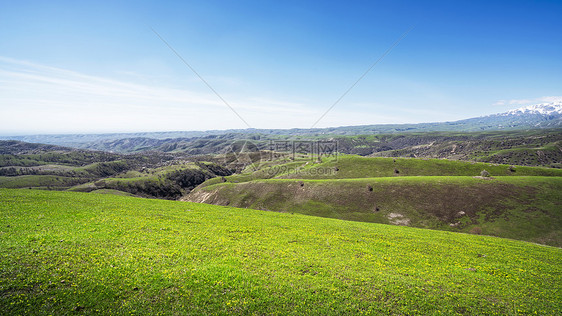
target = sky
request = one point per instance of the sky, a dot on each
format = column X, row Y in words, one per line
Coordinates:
column 105, row 66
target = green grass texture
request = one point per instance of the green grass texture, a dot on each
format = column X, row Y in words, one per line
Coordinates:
column 82, row 253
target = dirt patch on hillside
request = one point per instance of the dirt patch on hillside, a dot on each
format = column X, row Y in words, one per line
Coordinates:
column 207, row 196
column 398, row 219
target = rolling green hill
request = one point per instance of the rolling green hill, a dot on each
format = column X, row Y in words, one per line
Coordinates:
column 25, row 165
column 525, row 208
column 353, row 166
column 348, row 166
column 530, row 148
column 516, row 202
column 170, row 182
column 78, row 253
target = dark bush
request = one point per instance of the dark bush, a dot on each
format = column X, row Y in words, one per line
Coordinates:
column 476, row 230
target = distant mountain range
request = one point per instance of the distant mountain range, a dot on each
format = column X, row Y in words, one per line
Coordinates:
column 553, row 108
column 539, row 116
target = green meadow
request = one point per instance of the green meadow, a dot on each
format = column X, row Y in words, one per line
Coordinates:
column 85, row 253
column 515, row 202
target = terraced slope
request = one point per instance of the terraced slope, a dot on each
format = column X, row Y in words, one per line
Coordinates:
column 79, row 253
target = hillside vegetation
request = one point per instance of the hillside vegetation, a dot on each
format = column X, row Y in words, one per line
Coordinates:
column 66, row 253
column 352, row 166
column 347, row 167
column 530, row 147
column 24, row 165
column 516, row 202
column 170, row 182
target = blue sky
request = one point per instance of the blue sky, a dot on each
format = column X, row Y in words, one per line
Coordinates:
column 97, row 66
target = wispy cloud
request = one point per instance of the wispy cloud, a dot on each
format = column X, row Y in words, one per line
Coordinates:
column 36, row 98
column 39, row 98
column 523, row 102
column 49, row 80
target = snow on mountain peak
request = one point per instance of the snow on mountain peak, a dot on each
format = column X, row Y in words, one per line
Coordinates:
column 543, row 109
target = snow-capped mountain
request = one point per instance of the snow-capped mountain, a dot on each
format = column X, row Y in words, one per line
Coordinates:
column 544, row 115
column 553, row 108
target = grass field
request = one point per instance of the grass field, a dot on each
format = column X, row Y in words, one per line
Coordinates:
column 82, row 253
column 40, row 181
column 524, row 208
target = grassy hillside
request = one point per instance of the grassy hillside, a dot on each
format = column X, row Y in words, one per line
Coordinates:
column 516, row 202
column 14, row 153
column 352, row 167
column 40, row 182
column 347, row 166
column 524, row 208
column 66, row 253
column 530, row 148
column 24, row 165
column 170, row 182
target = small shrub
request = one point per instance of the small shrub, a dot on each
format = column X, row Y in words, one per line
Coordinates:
column 476, row 230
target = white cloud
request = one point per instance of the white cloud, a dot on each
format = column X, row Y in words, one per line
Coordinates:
column 552, row 99
column 525, row 102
